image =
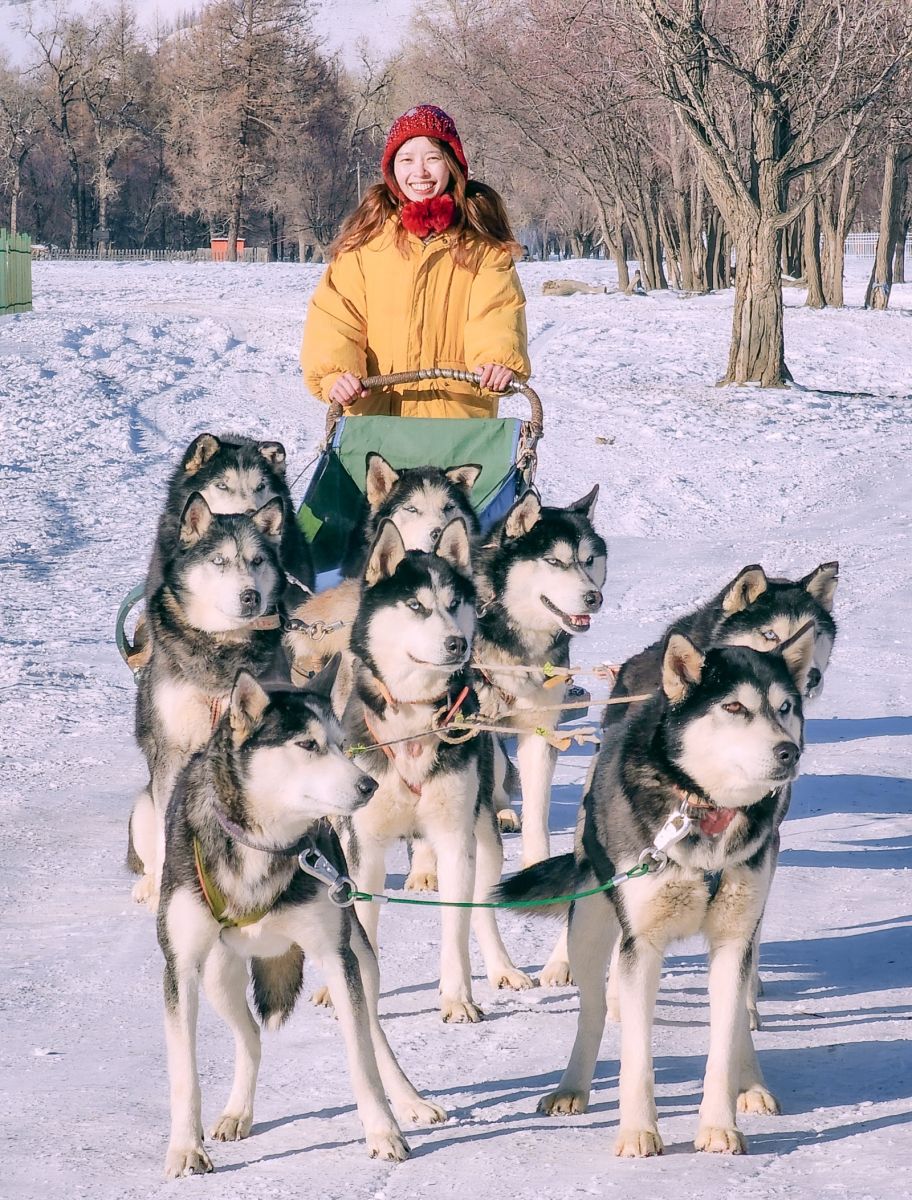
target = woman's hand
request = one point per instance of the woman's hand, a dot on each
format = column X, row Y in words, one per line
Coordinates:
column 495, row 377
column 347, row 389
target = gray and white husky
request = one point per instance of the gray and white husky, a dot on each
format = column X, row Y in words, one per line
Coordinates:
column 540, row 576
column 713, row 753
column 421, row 502
column 212, row 615
column 411, row 642
column 233, row 894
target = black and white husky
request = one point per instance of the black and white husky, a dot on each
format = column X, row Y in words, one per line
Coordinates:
column 411, row 642
column 212, row 615
column 420, row 501
column 233, row 894
column 233, row 474
column 701, row 774
column 540, row 576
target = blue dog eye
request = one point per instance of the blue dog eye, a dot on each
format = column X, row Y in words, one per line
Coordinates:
column 785, row 707
column 770, row 636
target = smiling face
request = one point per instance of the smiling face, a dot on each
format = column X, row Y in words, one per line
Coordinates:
column 420, row 169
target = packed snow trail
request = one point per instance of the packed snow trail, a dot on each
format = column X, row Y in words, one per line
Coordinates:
column 102, row 387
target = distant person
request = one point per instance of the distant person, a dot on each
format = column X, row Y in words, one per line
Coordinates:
column 421, row 275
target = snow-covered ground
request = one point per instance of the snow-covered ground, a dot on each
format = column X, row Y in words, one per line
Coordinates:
column 102, row 386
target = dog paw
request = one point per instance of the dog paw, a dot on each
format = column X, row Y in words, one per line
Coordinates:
column 390, row 1146
column 419, row 1112
column 512, row 979
column 186, row 1160
column 145, row 892
column 421, row 881
column 715, row 1140
column 556, row 974
column 758, row 1100
column 508, row 820
column 638, row 1143
column 460, row 1012
column 563, row 1104
column 322, row 998
column 231, row 1127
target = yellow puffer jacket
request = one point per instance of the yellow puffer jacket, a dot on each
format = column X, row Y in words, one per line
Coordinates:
column 375, row 312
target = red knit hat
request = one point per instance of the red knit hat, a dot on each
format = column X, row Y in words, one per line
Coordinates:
column 424, row 120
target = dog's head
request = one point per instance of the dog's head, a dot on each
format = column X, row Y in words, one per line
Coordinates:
column 416, row 619
column 287, row 750
column 765, row 613
column 233, row 474
column 227, row 570
column 420, row 501
column 546, row 566
column 734, row 723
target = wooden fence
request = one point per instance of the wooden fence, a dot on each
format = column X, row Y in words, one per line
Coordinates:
column 250, row 254
column 15, row 273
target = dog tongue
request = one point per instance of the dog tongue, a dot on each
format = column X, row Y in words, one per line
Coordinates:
column 716, row 821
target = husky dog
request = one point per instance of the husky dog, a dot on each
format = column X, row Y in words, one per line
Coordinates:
column 709, row 759
column 540, row 577
column 420, row 501
column 752, row 610
column 233, row 474
column 232, row 892
column 211, row 617
column 411, row 642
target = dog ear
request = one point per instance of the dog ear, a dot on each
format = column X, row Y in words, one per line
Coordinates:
column 195, row 520
column 198, row 453
column 821, row 584
column 453, row 546
column 380, row 479
column 386, row 554
column 524, row 515
column 464, row 477
column 586, row 504
column 248, row 703
column 682, row 667
column 798, row 652
column 270, row 519
column 274, row 453
column 748, row 584
column 323, row 682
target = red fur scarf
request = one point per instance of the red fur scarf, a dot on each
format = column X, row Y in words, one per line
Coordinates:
column 424, row 217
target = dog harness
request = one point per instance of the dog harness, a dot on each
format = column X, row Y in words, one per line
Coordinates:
column 215, row 899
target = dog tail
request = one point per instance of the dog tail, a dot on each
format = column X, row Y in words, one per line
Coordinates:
column 134, row 862
column 511, row 782
column 545, row 881
column 277, row 985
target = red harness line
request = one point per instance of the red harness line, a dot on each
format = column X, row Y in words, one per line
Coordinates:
column 414, row 788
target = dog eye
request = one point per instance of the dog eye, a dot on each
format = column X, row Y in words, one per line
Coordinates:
column 785, row 708
column 735, row 706
column 222, row 487
column 589, row 561
column 449, row 506
column 218, row 560
column 309, row 745
column 769, row 635
column 409, row 508
column 257, row 561
column 260, row 486
column 554, row 562
column 415, row 605
column 452, row 606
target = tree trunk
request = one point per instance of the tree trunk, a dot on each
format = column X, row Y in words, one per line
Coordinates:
column 810, row 253
column 899, row 259
column 835, row 221
column 878, row 294
column 757, row 353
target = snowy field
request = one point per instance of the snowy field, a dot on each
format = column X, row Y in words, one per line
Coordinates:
column 102, row 386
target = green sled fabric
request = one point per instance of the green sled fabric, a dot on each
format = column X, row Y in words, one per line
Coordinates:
column 333, row 500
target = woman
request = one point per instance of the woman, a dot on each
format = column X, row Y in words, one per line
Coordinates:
column 421, row 275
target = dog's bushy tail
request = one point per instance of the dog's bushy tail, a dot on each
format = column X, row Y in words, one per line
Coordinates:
column 554, row 877
column 277, row 985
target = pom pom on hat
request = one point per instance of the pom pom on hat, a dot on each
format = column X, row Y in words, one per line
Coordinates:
column 424, row 120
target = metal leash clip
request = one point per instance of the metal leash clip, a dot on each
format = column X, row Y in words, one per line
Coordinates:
column 341, row 888
column 678, row 826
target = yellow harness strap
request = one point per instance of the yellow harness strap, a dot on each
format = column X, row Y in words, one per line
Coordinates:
column 216, row 901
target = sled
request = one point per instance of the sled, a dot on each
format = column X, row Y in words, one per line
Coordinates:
column 504, row 448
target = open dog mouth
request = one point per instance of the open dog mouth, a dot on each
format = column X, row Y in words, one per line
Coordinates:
column 578, row 621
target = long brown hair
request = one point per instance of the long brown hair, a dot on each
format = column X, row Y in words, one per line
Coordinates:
column 480, row 217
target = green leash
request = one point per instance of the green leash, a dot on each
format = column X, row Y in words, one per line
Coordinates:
column 633, row 873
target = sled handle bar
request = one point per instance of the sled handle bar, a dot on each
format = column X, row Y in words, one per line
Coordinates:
column 536, row 422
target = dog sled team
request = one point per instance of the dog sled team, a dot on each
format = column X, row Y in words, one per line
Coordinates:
column 293, row 738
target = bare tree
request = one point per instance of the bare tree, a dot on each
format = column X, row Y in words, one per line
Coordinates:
column 20, row 129
column 757, row 84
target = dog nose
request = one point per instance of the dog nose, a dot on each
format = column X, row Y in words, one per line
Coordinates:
column 455, row 646
column 434, row 535
column 786, row 753
column 366, row 786
column 593, row 600
column 813, row 680
column 250, row 597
